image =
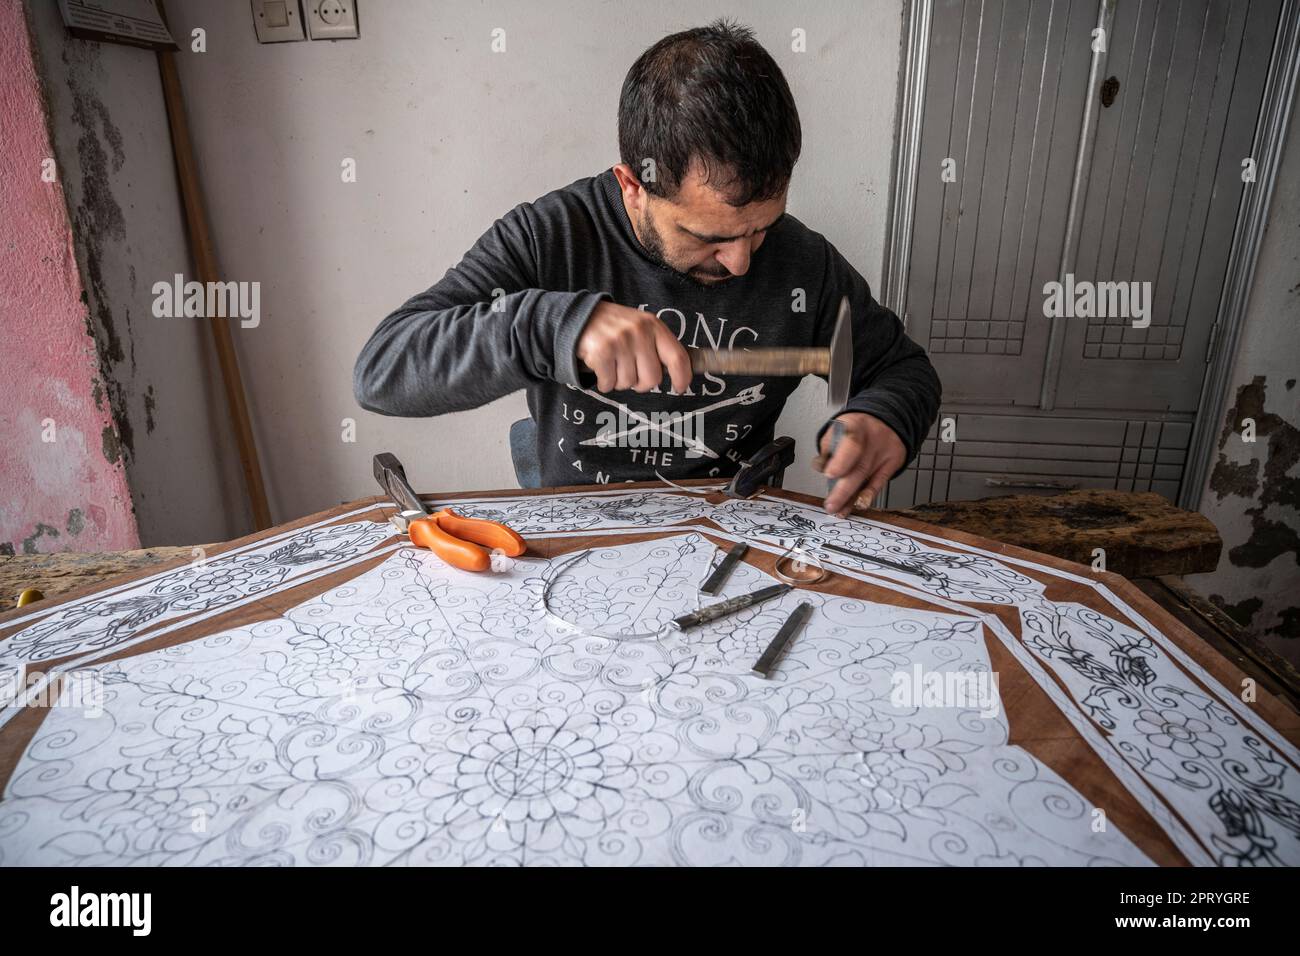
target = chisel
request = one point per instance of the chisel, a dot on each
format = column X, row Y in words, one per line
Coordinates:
column 714, row 580
column 730, row 606
column 774, row 649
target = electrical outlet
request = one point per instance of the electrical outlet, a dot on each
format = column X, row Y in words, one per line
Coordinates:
column 277, row 21
column 331, row 19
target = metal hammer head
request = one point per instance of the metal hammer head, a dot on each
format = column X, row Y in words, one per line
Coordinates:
column 841, row 373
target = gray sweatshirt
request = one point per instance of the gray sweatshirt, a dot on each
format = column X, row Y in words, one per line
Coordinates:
column 510, row 314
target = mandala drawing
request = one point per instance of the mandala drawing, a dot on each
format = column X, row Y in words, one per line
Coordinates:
column 415, row 716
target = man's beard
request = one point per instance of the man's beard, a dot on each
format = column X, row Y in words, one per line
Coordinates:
column 653, row 243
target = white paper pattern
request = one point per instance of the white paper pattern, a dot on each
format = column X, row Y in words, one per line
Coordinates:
column 422, row 715
column 540, row 515
column 1231, row 778
column 104, row 621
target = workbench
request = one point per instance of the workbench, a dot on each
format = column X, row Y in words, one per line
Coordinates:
column 1146, row 539
column 161, row 619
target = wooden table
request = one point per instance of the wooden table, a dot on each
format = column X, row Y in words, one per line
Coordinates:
column 1037, row 724
column 1147, row 540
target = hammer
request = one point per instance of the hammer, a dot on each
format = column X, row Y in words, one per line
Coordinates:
column 835, row 362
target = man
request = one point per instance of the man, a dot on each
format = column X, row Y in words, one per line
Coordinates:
column 587, row 297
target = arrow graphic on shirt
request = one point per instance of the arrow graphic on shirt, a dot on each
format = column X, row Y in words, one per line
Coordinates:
column 746, row 396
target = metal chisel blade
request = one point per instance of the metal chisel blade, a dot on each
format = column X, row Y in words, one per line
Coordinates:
column 841, row 373
column 883, row 562
column 714, row 581
column 774, row 649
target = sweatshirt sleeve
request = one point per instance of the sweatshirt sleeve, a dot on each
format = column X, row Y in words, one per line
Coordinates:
column 893, row 379
column 484, row 331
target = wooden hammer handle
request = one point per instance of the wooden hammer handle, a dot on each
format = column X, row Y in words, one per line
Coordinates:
column 782, row 361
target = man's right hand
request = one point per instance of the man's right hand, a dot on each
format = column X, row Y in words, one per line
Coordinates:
column 628, row 348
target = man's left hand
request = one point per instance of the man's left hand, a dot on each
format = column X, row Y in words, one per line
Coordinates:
column 867, row 456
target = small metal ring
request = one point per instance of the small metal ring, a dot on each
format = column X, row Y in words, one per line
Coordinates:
column 797, row 560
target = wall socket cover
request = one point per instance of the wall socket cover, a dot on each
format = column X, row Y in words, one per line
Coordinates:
column 277, row 21
column 331, row 19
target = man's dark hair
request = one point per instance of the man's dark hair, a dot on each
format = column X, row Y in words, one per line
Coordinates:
column 714, row 95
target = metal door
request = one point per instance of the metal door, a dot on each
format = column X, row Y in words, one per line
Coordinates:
column 1146, row 139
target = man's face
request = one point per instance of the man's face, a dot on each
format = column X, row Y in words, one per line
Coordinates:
column 698, row 233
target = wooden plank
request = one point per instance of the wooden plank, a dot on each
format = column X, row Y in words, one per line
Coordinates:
column 205, row 265
column 59, row 573
column 1142, row 534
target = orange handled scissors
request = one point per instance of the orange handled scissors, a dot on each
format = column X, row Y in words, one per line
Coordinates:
column 465, row 543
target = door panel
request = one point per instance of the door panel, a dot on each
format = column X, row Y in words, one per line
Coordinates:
column 1005, row 91
column 1163, row 194
column 1002, row 87
column 997, row 454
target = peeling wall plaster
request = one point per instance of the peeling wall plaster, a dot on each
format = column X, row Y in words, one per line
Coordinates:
column 63, row 485
column 156, row 377
column 1275, row 482
column 1253, row 491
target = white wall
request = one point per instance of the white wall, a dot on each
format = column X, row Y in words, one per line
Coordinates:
column 1253, row 491
column 448, row 136
column 114, row 158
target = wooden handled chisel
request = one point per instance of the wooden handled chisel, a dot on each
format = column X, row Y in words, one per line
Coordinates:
column 712, row 612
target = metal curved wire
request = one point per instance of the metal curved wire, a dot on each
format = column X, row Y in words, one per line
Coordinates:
column 585, row 631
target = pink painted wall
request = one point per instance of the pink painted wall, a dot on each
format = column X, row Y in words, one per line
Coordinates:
column 69, row 494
